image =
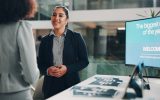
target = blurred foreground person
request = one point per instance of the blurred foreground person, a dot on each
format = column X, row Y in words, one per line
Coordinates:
column 18, row 65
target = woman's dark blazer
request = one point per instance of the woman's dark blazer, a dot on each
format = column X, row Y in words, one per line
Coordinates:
column 74, row 57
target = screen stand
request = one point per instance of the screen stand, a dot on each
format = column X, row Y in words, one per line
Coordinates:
column 145, row 84
column 138, row 83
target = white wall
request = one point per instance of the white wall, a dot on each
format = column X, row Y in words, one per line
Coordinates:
column 99, row 16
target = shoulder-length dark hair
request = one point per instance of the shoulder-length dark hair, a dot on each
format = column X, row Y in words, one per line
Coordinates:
column 15, row 10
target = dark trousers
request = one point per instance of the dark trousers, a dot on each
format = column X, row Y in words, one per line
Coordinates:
column 52, row 86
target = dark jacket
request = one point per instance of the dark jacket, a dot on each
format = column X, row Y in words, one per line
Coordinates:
column 74, row 57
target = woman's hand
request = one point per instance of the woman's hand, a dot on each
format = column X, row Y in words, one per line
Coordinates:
column 57, row 71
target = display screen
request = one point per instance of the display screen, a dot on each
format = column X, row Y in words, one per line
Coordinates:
column 143, row 42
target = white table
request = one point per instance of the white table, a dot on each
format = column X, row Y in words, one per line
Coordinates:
column 152, row 94
column 68, row 94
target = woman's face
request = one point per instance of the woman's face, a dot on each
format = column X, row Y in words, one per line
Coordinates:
column 59, row 19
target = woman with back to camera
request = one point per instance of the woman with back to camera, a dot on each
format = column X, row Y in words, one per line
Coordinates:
column 18, row 65
column 62, row 54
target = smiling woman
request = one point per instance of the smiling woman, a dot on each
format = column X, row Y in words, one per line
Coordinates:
column 60, row 19
column 62, row 54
